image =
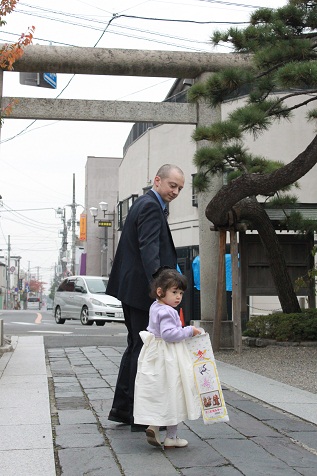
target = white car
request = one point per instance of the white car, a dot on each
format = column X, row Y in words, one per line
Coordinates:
column 33, row 303
column 85, row 298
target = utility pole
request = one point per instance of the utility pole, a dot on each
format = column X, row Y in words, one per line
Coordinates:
column 8, row 273
column 73, row 206
column 38, row 279
column 29, row 273
column 63, row 251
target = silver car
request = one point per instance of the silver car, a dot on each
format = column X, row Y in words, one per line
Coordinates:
column 85, row 298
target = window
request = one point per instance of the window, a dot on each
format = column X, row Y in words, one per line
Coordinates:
column 70, row 286
column 194, row 193
column 80, row 285
column 67, row 285
column 123, row 208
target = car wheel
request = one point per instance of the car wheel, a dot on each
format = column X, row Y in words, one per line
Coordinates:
column 84, row 317
column 100, row 323
column 58, row 316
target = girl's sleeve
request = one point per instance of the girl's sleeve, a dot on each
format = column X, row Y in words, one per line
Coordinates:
column 170, row 329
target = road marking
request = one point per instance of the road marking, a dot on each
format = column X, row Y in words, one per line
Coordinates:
column 50, row 332
column 21, row 323
column 38, row 318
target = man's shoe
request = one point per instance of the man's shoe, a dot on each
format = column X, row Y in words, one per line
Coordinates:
column 138, row 428
column 175, row 443
column 120, row 416
column 153, row 436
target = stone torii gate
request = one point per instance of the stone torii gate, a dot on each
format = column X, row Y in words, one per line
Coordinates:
column 120, row 62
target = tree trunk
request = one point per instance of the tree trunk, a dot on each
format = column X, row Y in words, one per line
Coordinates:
column 249, row 185
column 234, row 196
column 250, row 209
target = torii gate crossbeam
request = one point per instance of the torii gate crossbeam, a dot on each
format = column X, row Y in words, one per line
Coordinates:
column 100, row 111
column 120, row 62
column 103, row 61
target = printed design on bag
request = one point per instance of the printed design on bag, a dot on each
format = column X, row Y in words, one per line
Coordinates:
column 207, row 380
column 205, row 376
column 212, row 402
column 211, row 399
column 202, row 369
column 206, row 384
column 200, row 354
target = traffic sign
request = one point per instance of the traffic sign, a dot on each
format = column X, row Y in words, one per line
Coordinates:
column 51, row 79
column 43, row 80
column 12, row 269
column 104, row 223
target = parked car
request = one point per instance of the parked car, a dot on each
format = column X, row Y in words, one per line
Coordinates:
column 33, row 303
column 85, row 298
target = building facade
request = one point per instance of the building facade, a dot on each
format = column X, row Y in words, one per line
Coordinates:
column 101, row 186
column 151, row 145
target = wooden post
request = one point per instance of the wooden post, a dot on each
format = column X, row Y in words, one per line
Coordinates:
column 236, row 296
column 216, row 331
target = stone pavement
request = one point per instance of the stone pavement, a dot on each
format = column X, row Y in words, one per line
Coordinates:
column 258, row 440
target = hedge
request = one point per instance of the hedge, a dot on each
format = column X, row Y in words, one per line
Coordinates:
column 295, row 327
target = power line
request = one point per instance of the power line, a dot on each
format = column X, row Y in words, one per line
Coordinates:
column 26, row 219
column 27, row 209
column 137, row 17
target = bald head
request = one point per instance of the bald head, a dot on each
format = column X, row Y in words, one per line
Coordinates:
column 169, row 181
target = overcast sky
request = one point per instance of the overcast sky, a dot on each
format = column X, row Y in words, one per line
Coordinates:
column 38, row 160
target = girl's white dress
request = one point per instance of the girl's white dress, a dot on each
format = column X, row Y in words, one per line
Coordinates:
column 165, row 392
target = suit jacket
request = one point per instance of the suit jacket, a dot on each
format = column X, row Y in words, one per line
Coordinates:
column 145, row 245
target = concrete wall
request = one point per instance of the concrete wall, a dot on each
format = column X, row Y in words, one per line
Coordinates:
column 101, row 185
column 283, row 142
column 161, row 145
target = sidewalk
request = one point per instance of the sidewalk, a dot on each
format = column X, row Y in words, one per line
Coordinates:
column 26, row 446
column 276, row 439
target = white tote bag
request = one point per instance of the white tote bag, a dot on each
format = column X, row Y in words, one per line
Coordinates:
column 207, row 381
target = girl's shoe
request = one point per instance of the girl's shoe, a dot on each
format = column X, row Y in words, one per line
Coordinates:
column 175, row 443
column 153, row 436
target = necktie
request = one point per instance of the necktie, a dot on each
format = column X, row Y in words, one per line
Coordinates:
column 166, row 213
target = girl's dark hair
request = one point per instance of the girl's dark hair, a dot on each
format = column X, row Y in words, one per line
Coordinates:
column 167, row 278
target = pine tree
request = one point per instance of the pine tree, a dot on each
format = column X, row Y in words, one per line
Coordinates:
column 280, row 48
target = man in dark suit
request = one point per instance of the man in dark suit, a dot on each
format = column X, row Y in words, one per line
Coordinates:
column 145, row 245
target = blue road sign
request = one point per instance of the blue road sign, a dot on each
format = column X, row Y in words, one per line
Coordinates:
column 51, row 79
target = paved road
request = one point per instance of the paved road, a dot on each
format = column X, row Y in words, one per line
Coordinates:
column 70, row 334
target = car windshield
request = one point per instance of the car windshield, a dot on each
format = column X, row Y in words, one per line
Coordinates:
column 97, row 286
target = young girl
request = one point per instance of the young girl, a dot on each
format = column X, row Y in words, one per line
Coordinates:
column 165, row 391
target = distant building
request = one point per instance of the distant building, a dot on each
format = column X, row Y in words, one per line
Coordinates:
column 101, row 185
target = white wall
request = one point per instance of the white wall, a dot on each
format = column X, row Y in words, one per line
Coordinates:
column 168, row 143
column 101, row 186
column 284, row 141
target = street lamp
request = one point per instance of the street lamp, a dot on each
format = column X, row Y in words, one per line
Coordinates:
column 103, row 207
column 94, row 212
